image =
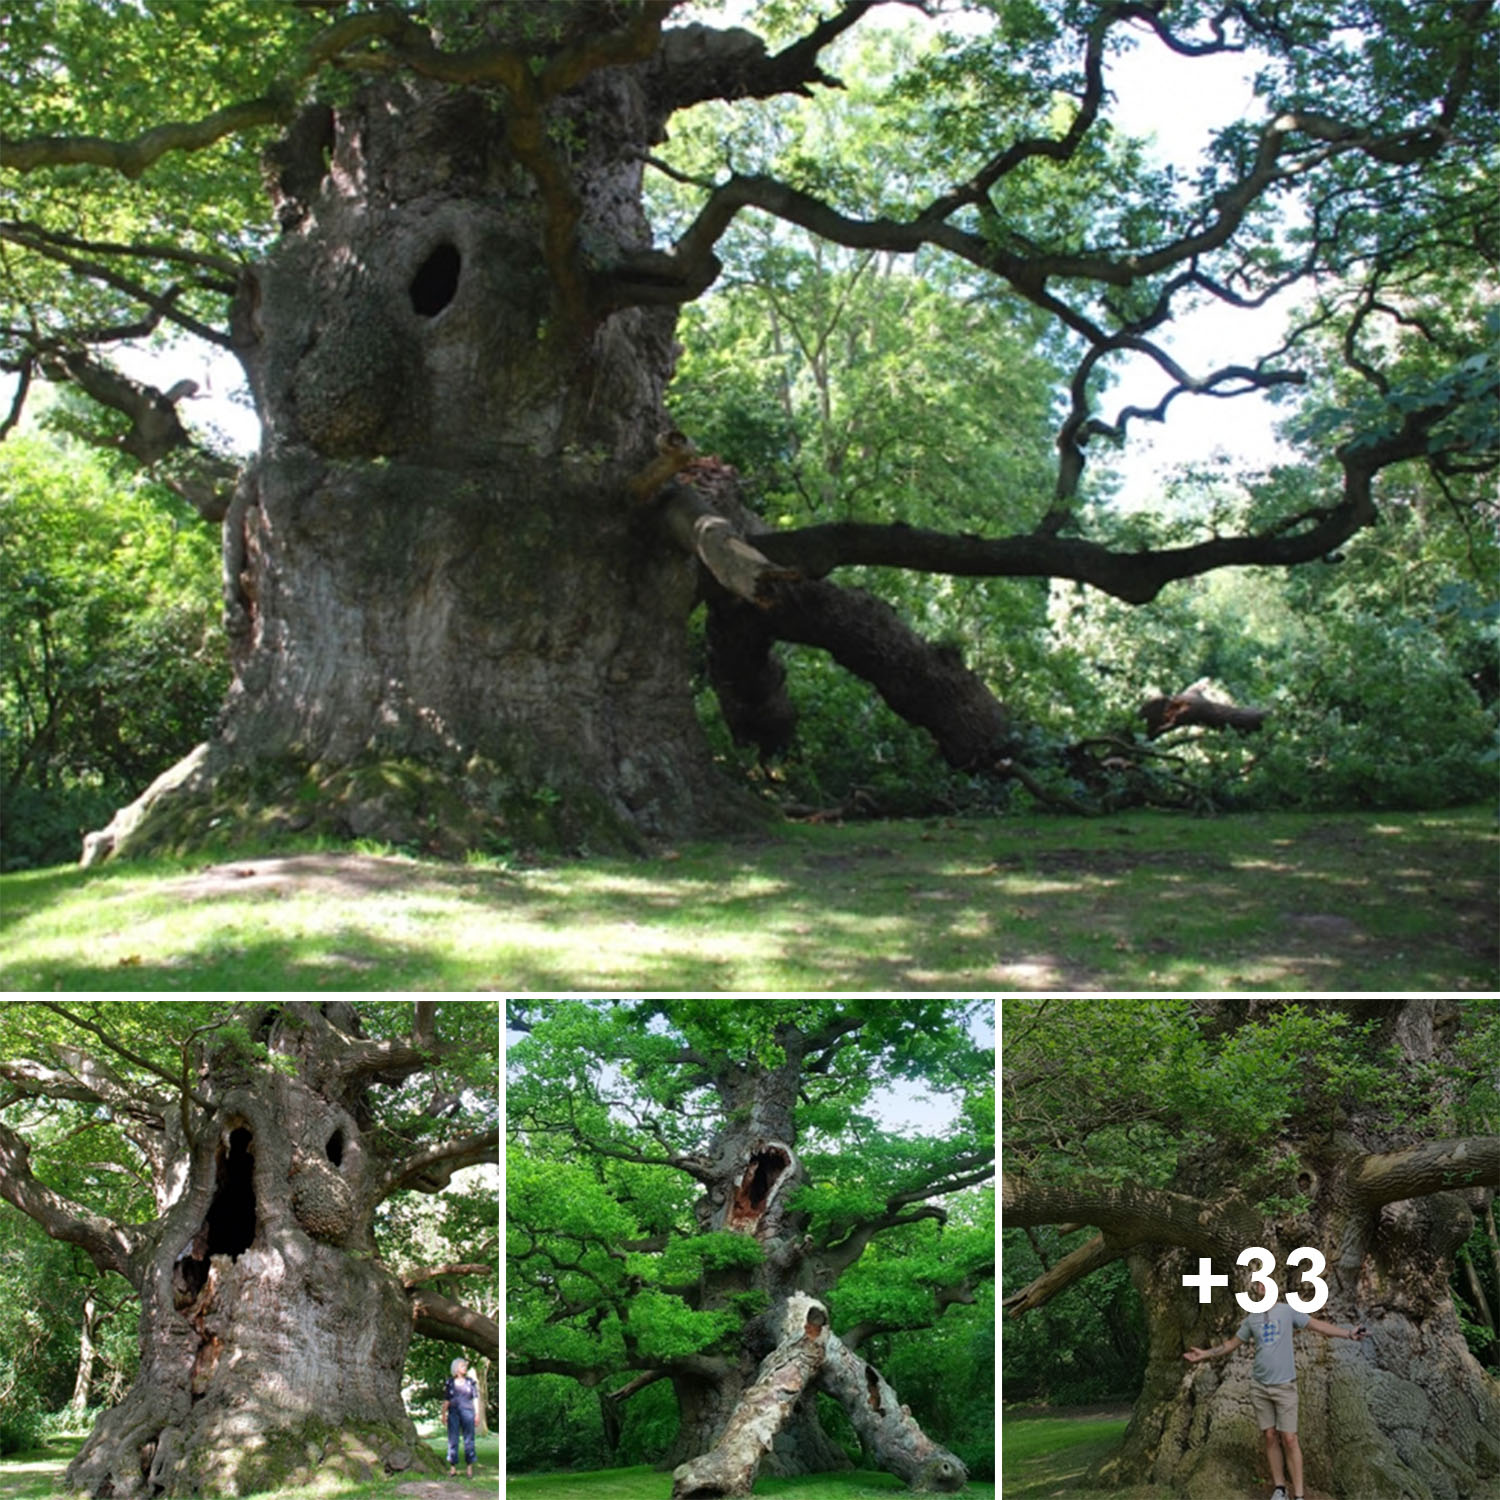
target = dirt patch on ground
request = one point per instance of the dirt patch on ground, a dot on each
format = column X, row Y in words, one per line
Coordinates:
column 446, row 1489
column 1102, row 862
column 324, row 874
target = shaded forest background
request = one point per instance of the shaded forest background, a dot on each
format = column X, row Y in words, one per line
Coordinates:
column 1089, row 1342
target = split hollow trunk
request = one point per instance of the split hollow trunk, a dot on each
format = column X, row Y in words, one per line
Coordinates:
column 886, row 1426
column 784, row 1377
column 811, row 1353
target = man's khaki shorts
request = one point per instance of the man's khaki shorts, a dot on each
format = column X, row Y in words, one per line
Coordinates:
column 1274, row 1405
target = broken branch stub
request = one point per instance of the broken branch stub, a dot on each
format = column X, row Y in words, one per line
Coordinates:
column 1192, row 707
column 729, row 1468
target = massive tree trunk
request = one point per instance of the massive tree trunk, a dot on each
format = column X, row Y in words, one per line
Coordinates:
column 448, row 615
column 272, row 1339
column 456, row 598
column 1408, row 1414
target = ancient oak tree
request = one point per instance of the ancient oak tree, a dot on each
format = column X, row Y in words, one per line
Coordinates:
column 457, row 602
column 1366, row 1129
column 274, row 1316
column 692, row 1192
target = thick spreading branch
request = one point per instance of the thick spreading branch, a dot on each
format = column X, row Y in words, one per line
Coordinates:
column 686, row 270
column 441, row 1317
column 85, row 1079
column 389, row 1060
column 416, row 1277
column 907, row 1207
column 1131, row 1212
column 177, row 1082
column 704, row 62
column 111, row 1246
column 1431, row 1167
column 431, row 1169
column 1133, row 576
column 155, row 433
column 275, row 107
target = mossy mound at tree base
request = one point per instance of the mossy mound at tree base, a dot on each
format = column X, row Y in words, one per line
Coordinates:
column 211, row 802
column 311, row 1455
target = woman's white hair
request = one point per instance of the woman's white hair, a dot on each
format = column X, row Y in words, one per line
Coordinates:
column 453, row 1368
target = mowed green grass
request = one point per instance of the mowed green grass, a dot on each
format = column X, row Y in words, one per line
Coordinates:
column 652, row 1484
column 1043, row 1457
column 37, row 1475
column 1144, row 901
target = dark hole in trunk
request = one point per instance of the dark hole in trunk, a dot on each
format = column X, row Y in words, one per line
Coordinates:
column 766, row 1168
column 192, row 1271
column 436, row 281
column 231, row 1216
column 335, row 1148
column 872, row 1380
column 755, row 1187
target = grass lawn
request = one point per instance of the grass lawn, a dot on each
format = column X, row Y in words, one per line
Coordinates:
column 1043, row 1457
column 651, row 1484
column 37, row 1475
column 33, row 1474
column 1144, row 901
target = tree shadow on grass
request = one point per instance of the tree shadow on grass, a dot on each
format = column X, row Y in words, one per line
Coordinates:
column 259, row 964
column 1256, row 903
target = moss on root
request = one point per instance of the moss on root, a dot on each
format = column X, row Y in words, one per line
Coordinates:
column 311, row 1454
column 210, row 804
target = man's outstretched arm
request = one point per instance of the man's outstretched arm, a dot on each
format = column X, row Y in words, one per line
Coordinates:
column 1333, row 1331
column 1192, row 1356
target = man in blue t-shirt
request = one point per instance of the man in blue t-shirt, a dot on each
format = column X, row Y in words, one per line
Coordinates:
column 1273, row 1380
column 459, row 1395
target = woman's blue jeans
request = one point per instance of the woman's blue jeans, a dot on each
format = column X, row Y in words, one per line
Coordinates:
column 460, row 1423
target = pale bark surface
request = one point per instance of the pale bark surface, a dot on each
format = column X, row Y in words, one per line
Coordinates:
column 783, row 1379
column 749, row 1407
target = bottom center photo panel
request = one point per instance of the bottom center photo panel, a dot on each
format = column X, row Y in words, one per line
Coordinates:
column 750, row 1242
